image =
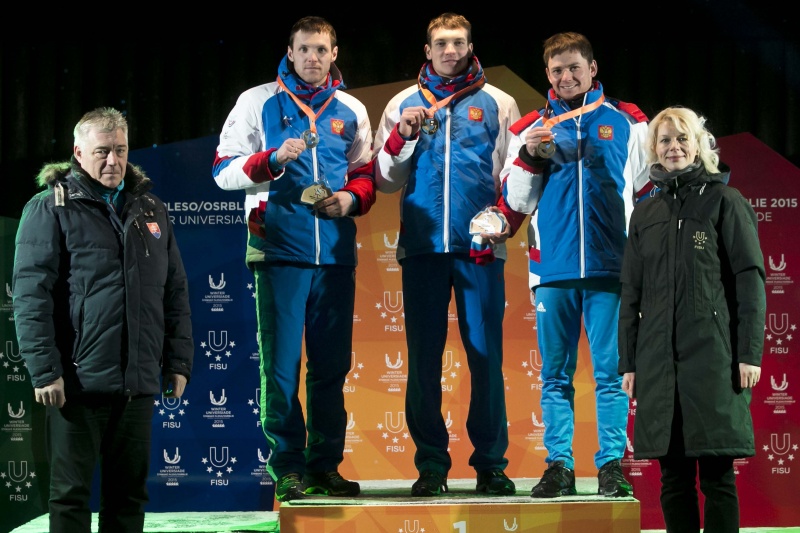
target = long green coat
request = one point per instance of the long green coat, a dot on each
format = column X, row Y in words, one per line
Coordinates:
column 693, row 307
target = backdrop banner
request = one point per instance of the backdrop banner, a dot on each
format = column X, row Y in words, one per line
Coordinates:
column 209, row 451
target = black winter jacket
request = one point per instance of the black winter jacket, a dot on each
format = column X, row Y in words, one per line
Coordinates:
column 100, row 299
column 693, row 307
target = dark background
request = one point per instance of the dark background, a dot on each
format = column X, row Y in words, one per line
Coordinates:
column 738, row 63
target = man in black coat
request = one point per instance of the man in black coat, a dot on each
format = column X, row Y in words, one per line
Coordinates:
column 101, row 307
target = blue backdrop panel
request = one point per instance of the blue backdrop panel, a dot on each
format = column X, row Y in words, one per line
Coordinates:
column 209, row 452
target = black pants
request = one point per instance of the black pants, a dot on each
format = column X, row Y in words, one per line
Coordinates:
column 679, row 499
column 117, row 431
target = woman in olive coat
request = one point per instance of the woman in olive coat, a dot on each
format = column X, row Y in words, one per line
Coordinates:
column 691, row 323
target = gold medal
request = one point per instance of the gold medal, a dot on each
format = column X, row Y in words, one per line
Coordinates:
column 314, row 193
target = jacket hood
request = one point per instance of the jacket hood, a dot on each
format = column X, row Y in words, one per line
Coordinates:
column 135, row 178
column 305, row 92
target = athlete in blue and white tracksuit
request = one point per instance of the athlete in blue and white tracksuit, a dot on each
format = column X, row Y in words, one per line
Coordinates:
column 580, row 200
column 447, row 177
column 303, row 262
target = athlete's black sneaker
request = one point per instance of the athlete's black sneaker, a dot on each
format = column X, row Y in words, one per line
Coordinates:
column 430, row 483
column 557, row 480
column 330, row 484
column 289, row 487
column 495, row 482
column 611, row 483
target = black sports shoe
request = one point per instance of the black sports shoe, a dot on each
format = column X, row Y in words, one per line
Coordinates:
column 495, row 482
column 289, row 487
column 611, row 483
column 430, row 483
column 557, row 480
column 330, row 484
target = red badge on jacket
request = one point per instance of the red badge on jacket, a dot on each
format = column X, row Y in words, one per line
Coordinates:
column 154, row 229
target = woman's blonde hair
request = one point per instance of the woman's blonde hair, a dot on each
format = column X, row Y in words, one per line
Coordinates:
column 685, row 121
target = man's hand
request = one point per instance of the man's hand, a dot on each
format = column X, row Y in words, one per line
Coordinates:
column 629, row 384
column 51, row 394
column 174, row 385
column 534, row 137
column 411, row 120
column 336, row 205
column 749, row 375
column 290, row 150
column 498, row 238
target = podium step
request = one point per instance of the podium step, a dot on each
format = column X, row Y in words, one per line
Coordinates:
column 385, row 506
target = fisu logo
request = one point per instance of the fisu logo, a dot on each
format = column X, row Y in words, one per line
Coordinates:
column 391, row 425
column 18, row 475
column 700, row 239
column 12, row 355
column 780, row 451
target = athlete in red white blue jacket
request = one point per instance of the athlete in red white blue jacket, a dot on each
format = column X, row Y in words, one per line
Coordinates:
column 577, row 166
column 443, row 141
column 301, row 149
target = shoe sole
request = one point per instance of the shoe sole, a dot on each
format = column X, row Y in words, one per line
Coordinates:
column 425, row 493
column 502, row 492
column 326, row 492
column 288, row 498
column 563, row 492
column 622, row 493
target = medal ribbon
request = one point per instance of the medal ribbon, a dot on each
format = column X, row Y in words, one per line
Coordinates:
column 550, row 122
column 435, row 106
column 312, row 118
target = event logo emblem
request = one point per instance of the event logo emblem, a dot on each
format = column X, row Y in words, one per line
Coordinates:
column 397, row 428
column 260, row 470
column 220, row 464
column 395, row 376
column 218, row 413
column 780, row 399
column 218, row 349
column 216, row 297
column 18, row 480
column 781, row 452
column 391, row 309
column 777, row 278
column 171, row 408
column 171, row 471
column 779, row 333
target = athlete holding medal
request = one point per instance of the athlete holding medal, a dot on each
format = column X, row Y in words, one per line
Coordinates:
column 301, row 149
column 578, row 166
column 443, row 141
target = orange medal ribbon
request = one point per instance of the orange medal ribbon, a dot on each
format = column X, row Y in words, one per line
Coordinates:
column 312, row 117
column 436, row 105
column 550, row 122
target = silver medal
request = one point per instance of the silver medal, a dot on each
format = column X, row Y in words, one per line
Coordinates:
column 311, row 138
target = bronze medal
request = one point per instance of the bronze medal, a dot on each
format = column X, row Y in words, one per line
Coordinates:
column 430, row 125
column 546, row 150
